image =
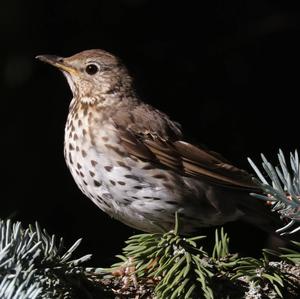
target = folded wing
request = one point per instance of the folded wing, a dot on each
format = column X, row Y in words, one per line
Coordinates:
column 187, row 159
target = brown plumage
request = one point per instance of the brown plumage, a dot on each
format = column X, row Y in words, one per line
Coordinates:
column 136, row 165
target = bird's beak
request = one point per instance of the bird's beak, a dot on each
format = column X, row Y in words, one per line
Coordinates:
column 58, row 62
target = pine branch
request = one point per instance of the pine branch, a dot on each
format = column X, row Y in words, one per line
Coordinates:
column 33, row 266
column 172, row 266
column 282, row 189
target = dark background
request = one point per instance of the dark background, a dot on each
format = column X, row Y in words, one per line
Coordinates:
column 227, row 70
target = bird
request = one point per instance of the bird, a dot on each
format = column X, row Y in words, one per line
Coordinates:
column 134, row 162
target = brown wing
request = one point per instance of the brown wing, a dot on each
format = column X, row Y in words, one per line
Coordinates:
column 149, row 134
column 187, row 159
column 212, row 166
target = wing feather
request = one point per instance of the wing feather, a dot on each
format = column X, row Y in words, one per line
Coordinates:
column 155, row 143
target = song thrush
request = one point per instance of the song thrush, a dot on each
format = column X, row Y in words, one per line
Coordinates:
column 132, row 161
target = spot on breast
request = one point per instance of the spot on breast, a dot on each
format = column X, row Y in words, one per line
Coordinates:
column 70, row 159
column 91, row 195
column 94, row 163
column 108, row 168
column 160, row 177
column 97, row 183
column 122, row 164
column 130, row 176
column 148, row 167
column 173, row 203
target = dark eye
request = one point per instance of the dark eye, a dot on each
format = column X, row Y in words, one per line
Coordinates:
column 92, row 69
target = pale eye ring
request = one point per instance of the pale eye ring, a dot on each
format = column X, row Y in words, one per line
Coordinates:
column 92, row 69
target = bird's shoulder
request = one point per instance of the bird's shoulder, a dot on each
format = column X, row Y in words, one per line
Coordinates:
column 146, row 121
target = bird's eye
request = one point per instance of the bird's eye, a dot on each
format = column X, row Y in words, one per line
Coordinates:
column 92, row 69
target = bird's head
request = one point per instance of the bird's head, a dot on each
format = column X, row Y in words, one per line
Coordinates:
column 94, row 76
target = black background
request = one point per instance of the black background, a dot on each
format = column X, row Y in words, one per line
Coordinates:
column 227, row 70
